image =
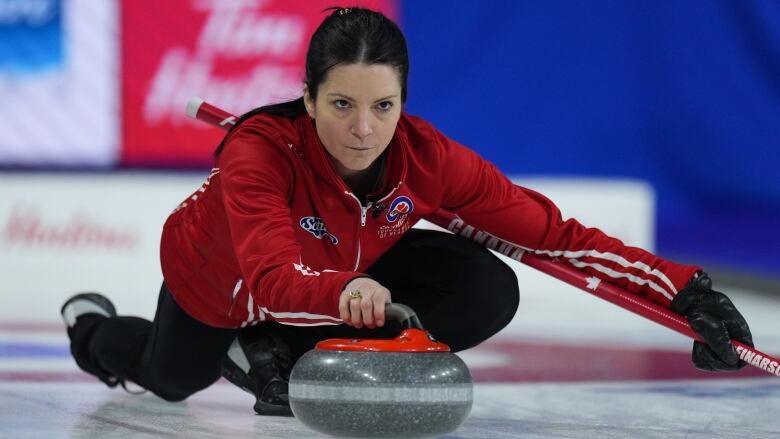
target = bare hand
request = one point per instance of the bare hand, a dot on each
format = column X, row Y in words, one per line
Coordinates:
column 367, row 309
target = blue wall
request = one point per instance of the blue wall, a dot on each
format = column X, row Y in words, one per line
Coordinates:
column 683, row 94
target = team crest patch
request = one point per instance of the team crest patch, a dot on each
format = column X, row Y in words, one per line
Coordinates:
column 401, row 206
column 316, row 226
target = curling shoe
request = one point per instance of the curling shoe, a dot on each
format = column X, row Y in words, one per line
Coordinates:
column 261, row 366
column 87, row 309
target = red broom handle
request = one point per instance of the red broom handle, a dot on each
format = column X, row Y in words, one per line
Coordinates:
column 212, row 115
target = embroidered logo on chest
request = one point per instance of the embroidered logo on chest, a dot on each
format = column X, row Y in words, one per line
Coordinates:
column 316, row 226
column 396, row 215
column 401, row 206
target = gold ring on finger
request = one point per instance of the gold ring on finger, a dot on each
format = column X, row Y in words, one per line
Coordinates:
column 355, row 294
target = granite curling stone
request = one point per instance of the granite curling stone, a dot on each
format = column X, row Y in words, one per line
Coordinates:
column 410, row 386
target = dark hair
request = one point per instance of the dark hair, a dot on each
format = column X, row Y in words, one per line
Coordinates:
column 346, row 36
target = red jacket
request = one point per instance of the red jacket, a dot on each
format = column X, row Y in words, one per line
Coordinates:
column 275, row 234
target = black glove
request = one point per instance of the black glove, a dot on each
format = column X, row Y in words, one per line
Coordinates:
column 713, row 316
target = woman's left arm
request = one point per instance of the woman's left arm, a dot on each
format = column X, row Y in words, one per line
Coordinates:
column 486, row 199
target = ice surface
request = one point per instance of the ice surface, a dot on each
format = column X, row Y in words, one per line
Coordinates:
column 569, row 366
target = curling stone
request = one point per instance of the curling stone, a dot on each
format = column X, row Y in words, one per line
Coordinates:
column 409, row 386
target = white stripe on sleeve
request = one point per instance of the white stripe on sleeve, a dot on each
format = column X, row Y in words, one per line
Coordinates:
column 617, row 275
column 300, row 315
column 573, row 255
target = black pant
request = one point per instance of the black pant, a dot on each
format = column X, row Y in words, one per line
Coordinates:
column 461, row 292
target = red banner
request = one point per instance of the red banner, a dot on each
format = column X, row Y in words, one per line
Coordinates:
column 238, row 54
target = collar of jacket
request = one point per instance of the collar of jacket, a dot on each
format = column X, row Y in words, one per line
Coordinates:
column 316, row 157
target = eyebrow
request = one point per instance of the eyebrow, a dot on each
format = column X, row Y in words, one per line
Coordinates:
column 350, row 99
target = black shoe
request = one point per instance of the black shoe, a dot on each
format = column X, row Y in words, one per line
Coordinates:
column 261, row 366
column 88, row 308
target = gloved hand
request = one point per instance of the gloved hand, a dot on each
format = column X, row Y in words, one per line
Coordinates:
column 713, row 316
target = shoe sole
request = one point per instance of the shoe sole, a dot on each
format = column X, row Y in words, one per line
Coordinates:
column 265, row 409
column 94, row 303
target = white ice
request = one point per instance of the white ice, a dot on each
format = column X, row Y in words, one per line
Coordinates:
column 550, row 313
